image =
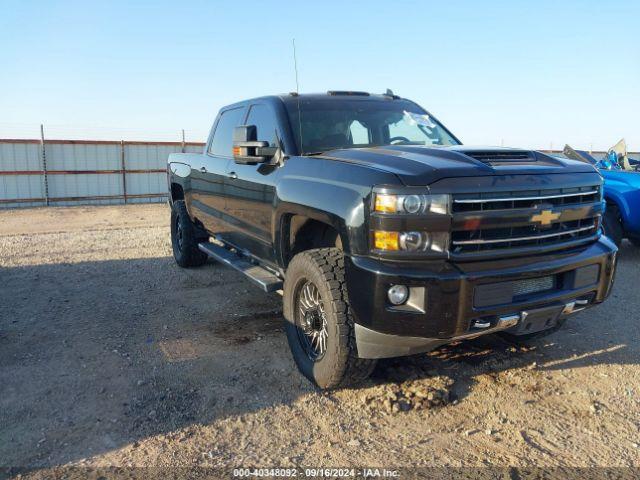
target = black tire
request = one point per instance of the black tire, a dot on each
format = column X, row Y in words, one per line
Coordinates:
column 185, row 237
column 612, row 224
column 338, row 365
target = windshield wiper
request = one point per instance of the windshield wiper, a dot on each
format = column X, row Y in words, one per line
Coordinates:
column 409, row 143
column 336, row 147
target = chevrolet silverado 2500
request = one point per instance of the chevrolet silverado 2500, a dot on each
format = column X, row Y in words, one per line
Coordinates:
column 384, row 234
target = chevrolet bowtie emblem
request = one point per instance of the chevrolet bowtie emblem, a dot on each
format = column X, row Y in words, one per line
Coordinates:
column 545, row 217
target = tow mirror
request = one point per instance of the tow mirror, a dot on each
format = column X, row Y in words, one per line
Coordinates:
column 247, row 150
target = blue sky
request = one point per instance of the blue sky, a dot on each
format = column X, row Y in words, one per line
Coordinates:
column 513, row 72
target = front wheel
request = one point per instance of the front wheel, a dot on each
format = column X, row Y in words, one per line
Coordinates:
column 319, row 324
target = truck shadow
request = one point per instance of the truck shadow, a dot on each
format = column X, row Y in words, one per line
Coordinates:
column 96, row 356
column 488, row 357
column 605, row 334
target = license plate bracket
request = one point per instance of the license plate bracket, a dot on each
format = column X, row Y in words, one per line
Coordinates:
column 538, row 319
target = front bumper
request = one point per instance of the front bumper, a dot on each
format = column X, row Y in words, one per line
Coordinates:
column 457, row 298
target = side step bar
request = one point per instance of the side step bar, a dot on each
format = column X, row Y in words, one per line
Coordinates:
column 262, row 277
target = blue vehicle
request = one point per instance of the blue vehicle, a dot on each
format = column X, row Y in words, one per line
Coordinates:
column 621, row 193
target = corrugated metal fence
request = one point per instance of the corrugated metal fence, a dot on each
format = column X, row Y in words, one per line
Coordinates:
column 72, row 172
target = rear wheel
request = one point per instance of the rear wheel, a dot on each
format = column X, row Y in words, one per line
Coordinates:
column 185, row 237
column 612, row 224
column 319, row 324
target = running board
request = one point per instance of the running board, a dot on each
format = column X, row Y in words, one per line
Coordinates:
column 262, row 277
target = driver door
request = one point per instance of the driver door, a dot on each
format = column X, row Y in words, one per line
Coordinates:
column 209, row 176
column 250, row 192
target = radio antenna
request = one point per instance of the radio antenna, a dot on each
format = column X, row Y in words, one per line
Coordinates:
column 295, row 68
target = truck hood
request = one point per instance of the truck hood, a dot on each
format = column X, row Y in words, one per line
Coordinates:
column 418, row 165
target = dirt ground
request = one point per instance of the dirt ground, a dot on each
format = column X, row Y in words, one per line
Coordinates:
column 111, row 355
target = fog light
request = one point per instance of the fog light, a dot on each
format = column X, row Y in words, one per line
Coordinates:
column 398, row 294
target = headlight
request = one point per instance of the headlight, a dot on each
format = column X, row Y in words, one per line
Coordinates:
column 413, row 241
column 410, row 241
column 412, row 204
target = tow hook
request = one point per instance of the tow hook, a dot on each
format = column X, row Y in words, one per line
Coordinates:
column 505, row 321
column 575, row 306
column 484, row 327
column 508, row 321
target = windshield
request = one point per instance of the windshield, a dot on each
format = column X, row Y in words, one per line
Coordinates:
column 336, row 123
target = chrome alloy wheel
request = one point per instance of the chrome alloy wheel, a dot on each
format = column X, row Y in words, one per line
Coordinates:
column 311, row 321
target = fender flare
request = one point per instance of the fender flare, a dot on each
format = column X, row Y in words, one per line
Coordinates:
column 619, row 200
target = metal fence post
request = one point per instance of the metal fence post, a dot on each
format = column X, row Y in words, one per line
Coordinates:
column 124, row 171
column 44, row 166
column 183, row 142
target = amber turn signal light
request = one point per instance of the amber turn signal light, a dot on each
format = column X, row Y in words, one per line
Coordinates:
column 385, row 240
column 386, row 203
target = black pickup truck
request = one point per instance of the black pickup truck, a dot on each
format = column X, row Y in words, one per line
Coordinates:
column 383, row 233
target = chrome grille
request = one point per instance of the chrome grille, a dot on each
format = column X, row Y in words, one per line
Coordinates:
column 525, row 199
column 500, row 221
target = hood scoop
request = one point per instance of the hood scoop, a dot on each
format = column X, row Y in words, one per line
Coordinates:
column 493, row 157
column 419, row 166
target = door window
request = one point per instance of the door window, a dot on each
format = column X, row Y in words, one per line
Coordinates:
column 222, row 141
column 265, row 122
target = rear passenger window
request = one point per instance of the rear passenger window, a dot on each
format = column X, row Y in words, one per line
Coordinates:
column 222, row 141
column 265, row 122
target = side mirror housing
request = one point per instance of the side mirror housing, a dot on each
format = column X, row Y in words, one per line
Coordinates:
column 247, row 150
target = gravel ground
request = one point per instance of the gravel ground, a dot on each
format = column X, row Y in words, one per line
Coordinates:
column 111, row 355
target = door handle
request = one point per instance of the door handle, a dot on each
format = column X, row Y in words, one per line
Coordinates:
column 233, row 175
column 203, row 169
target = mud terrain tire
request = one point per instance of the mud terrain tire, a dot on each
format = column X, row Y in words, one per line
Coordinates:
column 185, row 237
column 338, row 365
